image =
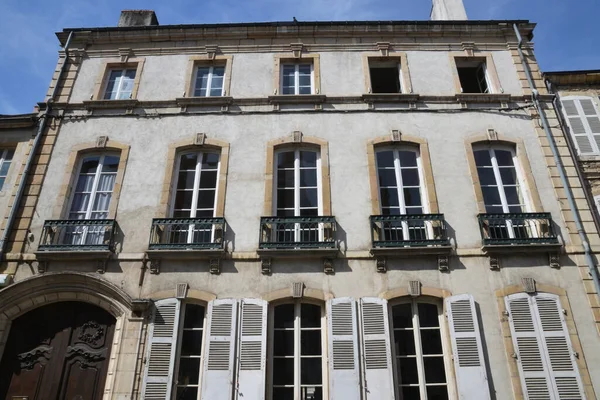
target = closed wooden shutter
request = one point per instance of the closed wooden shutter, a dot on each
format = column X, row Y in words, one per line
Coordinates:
column 252, row 350
column 471, row 377
column 344, row 375
column 543, row 348
column 162, row 347
column 217, row 373
column 376, row 349
column 584, row 123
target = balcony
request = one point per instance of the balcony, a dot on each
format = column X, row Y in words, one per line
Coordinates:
column 293, row 234
column 413, row 234
column 522, row 231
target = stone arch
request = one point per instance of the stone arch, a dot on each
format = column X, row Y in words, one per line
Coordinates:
column 425, row 291
column 288, row 293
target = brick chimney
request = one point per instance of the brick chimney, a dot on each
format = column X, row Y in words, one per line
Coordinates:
column 138, row 18
column 448, row 10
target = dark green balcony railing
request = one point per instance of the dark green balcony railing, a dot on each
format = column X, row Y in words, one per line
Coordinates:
column 187, row 233
column 517, row 229
column 297, row 233
column 78, row 235
column 413, row 230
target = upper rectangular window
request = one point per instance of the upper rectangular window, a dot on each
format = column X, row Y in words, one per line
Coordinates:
column 583, row 119
column 386, row 76
column 473, row 75
column 209, row 81
column 297, row 78
column 5, row 161
column 120, row 83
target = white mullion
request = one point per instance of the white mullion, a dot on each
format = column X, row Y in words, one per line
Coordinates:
column 120, row 85
column 312, row 79
column 209, row 81
column 95, row 183
column 400, row 77
column 296, row 78
column 195, row 194
column 297, row 364
column 400, row 190
column 297, row 211
column 500, row 186
column 419, row 350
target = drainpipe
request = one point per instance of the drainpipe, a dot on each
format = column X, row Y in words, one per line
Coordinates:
column 36, row 144
column 561, row 169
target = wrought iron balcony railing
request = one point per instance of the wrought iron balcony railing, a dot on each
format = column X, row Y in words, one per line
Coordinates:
column 297, row 233
column 78, row 235
column 517, row 229
column 413, row 230
column 187, row 233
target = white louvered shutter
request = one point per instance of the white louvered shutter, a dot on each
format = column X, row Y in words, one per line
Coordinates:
column 252, row 350
column 217, row 373
column 559, row 351
column 376, row 349
column 342, row 336
column 162, row 347
column 471, row 377
column 584, row 123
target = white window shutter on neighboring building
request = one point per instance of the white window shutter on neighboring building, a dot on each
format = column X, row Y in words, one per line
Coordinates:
column 342, row 334
column 376, row 349
column 162, row 347
column 217, row 373
column 471, row 376
column 252, row 350
column 584, row 123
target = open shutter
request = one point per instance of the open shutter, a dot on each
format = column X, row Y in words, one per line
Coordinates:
column 162, row 346
column 561, row 359
column 376, row 349
column 533, row 369
column 344, row 375
column 471, row 377
column 584, row 123
column 253, row 343
column 217, row 376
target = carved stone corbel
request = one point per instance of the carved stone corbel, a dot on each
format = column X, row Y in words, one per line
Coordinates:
column 384, row 48
column 554, row 260
column 42, row 266
column 494, row 263
column 381, row 263
column 154, row 266
column 101, row 265
column 215, row 266
column 266, row 266
column 443, row 263
column 328, row 266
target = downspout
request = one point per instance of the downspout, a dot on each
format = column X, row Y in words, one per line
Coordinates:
column 34, row 148
column 561, row 169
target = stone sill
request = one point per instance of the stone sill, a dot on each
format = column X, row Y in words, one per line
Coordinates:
column 186, row 254
column 204, row 101
column 297, row 99
column 390, row 97
column 110, row 104
column 483, row 97
column 411, row 251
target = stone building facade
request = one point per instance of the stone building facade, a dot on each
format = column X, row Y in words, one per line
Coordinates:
column 341, row 210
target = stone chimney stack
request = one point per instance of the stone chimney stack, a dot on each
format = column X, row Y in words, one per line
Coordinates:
column 448, row 10
column 138, row 18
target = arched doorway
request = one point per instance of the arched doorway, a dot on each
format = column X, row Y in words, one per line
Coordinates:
column 57, row 351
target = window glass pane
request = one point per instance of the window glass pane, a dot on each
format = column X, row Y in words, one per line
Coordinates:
column 284, row 316
column 9, row 155
column 208, row 179
column 434, row 370
column 110, row 164
column 311, row 393
column 5, row 167
column 206, row 199
column 486, row 176
column 407, row 158
column 390, row 211
column 304, row 69
column 508, row 176
column 428, row 315
column 431, row 341
column 187, row 393
column 512, row 195
column 283, row 344
column 130, row 74
column 385, row 159
column 491, row 195
column 286, row 213
column 188, row 161
column 210, row 161
column 285, row 159
column 495, row 209
column 308, row 177
column 201, row 81
column 89, row 165
column 310, row 316
column 310, row 343
column 412, row 197
column 387, row 177
column 191, row 343
column 189, row 371
column 437, row 392
column 402, row 316
column 283, row 371
column 308, row 159
column 308, row 198
column 482, row 158
column 389, row 197
column 285, row 198
column 186, row 180
column 513, row 209
column 283, row 393
column 285, row 178
column 415, row 210
column 310, row 371
column 309, row 212
column 410, row 177
column 85, row 183
column 408, row 370
column 305, row 90
column 194, row 316
column 183, row 200
column 405, row 342
column 411, row 393
column 1, row 183
column 504, row 158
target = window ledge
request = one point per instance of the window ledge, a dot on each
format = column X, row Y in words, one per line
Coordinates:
column 108, row 104
column 185, row 254
column 297, row 99
column 299, row 252
column 61, row 255
column 483, row 97
column 411, row 251
column 521, row 248
column 390, row 97
column 204, row 101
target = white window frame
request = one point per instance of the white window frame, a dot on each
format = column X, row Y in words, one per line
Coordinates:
column 597, row 204
column 594, row 139
column 446, row 348
column 119, row 85
column 209, row 80
column 3, row 156
column 297, row 359
column 196, row 190
column 297, row 78
column 181, row 329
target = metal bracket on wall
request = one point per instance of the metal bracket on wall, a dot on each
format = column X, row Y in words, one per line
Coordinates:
column 381, row 263
column 266, row 266
column 444, row 263
column 215, row 266
column 328, row 266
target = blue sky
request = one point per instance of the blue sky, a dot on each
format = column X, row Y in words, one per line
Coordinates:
column 567, row 35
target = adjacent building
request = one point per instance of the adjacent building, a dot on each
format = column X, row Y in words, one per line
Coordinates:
column 300, row 210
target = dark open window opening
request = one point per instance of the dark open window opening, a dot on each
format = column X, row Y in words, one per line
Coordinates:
column 472, row 75
column 385, row 77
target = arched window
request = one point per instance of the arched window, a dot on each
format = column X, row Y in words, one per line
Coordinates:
column 297, row 351
column 298, row 183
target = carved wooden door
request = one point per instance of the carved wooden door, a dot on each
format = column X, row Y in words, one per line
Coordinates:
column 60, row 351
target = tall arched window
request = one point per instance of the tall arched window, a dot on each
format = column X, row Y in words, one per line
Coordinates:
column 298, row 183
column 297, row 351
